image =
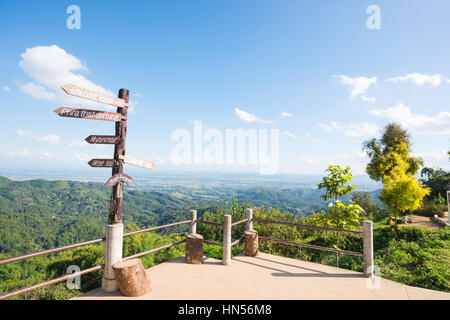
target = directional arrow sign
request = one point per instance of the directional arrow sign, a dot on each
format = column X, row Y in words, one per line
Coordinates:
column 120, row 177
column 101, row 163
column 92, row 95
column 103, row 139
column 138, row 162
column 88, row 114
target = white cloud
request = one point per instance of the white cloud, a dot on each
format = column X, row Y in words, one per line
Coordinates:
column 51, row 67
column 368, row 99
column 46, row 155
column 436, row 155
column 51, row 138
column 18, row 154
column 358, row 85
column 84, row 157
column 315, row 164
column 438, row 124
column 99, row 146
column 290, row 134
column 36, row 91
column 434, row 158
column 6, row 88
column 357, row 130
column 2, row 135
column 80, row 144
column 308, row 136
column 248, row 117
column 419, row 79
column 286, row 114
column 160, row 160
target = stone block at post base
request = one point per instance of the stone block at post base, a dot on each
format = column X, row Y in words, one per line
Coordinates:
column 251, row 243
column 194, row 248
column 131, row 277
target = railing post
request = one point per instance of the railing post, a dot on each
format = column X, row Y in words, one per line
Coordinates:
column 193, row 225
column 226, row 256
column 249, row 216
column 113, row 254
column 448, row 206
column 368, row 247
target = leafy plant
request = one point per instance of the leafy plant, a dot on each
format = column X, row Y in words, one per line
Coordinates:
column 336, row 182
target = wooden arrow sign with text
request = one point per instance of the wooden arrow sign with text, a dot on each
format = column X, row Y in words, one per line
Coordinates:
column 73, row 90
column 103, row 139
column 137, row 162
column 88, row 114
column 101, row 163
column 120, row 177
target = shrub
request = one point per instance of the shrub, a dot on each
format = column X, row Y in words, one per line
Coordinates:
column 430, row 208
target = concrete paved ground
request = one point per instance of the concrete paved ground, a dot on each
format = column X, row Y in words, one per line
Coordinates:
column 264, row 277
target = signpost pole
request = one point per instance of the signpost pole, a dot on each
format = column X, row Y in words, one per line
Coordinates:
column 114, row 228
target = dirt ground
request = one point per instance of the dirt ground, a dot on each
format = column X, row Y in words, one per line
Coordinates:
column 425, row 222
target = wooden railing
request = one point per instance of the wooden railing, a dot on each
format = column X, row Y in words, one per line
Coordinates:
column 80, row 244
column 306, row 245
column 226, row 226
column 367, row 235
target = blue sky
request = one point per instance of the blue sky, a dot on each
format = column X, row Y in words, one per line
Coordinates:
column 312, row 70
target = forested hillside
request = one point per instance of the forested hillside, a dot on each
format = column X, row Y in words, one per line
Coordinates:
column 40, row 214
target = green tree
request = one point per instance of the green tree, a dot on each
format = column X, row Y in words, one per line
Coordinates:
column 394, row 139
column 370, row 207
column 438, row 180
column 391, row 163
column 336, row 182
column 339, row 215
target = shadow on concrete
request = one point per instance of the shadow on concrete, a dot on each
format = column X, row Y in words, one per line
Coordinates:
column 316, row 274
column 206, row 260
column 289, row 265
column 322, row 275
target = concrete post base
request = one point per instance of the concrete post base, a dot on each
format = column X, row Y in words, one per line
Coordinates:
column 109, row 285
column 113, row 254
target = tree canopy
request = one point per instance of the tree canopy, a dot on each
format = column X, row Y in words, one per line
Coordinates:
column 390, row 162
column 394, row 139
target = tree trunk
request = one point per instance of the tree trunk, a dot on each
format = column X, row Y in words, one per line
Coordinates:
column 132, row 278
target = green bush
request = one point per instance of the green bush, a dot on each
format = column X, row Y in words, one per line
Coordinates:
column 430, row 208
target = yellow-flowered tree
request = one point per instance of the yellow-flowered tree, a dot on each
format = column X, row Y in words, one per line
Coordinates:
column 392, row 164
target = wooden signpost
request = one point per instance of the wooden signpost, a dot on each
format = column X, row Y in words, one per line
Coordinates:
column 94, row 96
column 101, row 163
column 138, row 162
column 114, row 229
column 120, row 177
column 103, row 139
column 120, row 118
column 88, row 114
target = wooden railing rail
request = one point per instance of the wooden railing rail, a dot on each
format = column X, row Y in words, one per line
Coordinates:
column 311, row 246
column 217, row 224
column 239, row 222
column 359, row 233
column 75, row 245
